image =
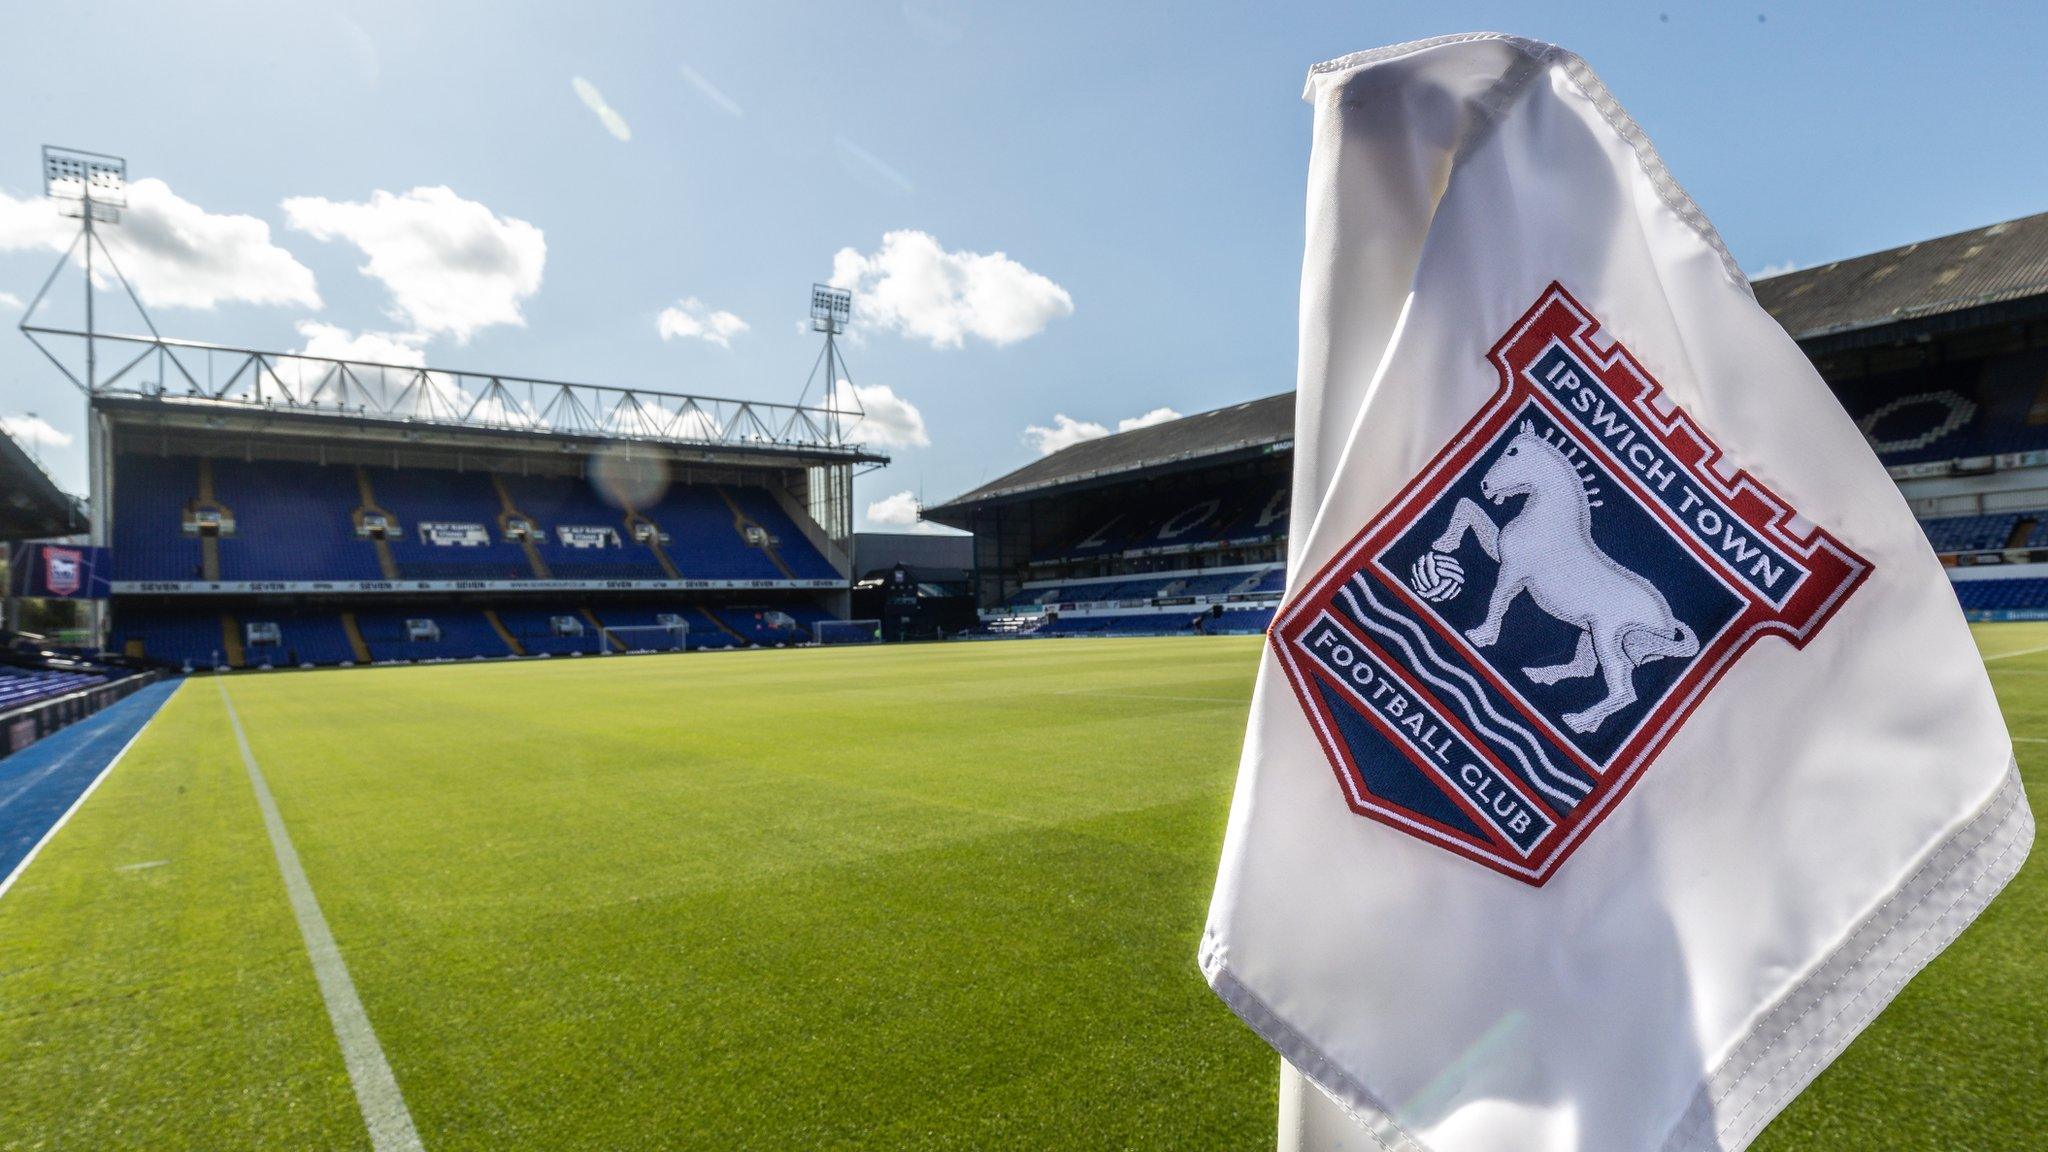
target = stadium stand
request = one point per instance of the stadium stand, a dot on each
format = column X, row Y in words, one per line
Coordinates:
column 1180, row 522
column 2002, row 595
column 284, row 521
column 1179, row 527
column 1939, row 350
column 44, row 688
column 22, row 686
column 1920, row 341
column 259, row 535
column 444, row 633
column 235, row 544
column 769, row 626
column 1157, row 585
column 291, row 523
column 198, row 637
column 1975, row 533
column 295, row 509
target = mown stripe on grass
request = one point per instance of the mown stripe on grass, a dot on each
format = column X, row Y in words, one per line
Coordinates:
column 383, row 1105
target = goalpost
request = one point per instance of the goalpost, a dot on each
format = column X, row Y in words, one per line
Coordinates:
column 671, row 637
column 847, row 631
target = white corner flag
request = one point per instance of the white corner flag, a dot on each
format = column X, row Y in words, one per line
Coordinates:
column 1620, row 749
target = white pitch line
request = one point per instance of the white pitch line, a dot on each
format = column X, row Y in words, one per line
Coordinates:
column 377, row 1094
column 2021, row 652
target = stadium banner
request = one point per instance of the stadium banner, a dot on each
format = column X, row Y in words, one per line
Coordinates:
column 448, row 534
column 1919, row 471
column 587, row 536
column 44, row 571
column 216, row 587
column 1619, row 748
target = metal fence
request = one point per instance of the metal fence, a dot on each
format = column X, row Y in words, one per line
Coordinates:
column 29, row 723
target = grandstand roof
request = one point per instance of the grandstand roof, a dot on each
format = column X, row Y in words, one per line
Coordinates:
column 204, row 427
column 31, row 504
column 1256, row 425
column 1994, row 265
column 1947, row 274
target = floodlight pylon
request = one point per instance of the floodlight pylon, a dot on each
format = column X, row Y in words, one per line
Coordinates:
column 91, row 187
column 831, row 310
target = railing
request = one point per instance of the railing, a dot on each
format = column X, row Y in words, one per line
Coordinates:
column 159, row 367
column 29, row 723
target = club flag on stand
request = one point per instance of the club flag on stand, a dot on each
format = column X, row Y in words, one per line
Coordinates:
column 1620, row 749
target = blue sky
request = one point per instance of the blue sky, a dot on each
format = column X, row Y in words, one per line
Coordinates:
column 1138, row 167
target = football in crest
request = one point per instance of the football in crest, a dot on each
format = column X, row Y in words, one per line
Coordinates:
column 1437, row 577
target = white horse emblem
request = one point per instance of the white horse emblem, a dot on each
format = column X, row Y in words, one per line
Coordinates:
column 1547, row 550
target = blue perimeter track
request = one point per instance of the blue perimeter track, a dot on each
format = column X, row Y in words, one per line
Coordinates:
column 41, row 782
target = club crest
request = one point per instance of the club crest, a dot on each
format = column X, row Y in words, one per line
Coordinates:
column 63, row 571
column 1498, row 655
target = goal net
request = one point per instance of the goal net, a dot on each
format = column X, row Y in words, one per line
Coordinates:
column 847, row 631
column 670, row 637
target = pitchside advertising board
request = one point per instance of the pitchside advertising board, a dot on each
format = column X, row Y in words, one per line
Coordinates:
column 58, row 572
column 1494, row 661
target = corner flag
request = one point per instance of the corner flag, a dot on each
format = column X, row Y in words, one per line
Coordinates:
column 1620, row 749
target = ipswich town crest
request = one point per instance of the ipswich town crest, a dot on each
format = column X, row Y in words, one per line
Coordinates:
column 63, row 571
column 1496, row 658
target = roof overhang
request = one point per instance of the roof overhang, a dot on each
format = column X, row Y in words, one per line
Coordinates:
column 1251, row 430
column 31, row 504
column 190, row 418
column 960, row 512
column 1923, row 326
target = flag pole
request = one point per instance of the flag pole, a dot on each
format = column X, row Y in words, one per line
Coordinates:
column 1311, row 1122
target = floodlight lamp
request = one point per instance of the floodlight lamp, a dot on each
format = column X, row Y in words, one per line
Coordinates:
column 830, row 308
column 86, row 182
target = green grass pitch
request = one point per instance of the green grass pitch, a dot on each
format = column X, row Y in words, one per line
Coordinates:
column 878, row 898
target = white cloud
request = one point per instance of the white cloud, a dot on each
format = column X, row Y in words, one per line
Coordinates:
column 606, row 114
column 889, row 420
column 1777, row 269
column 899, row 510
column 1156, row 416
column 711, row 92
column 30, row 429
column 914, row 286
column 689, row 318
column 180, row 255
column 452, row 265
column 33, row 222
column 10, row 300
column 332, row 343
column 1065, row 432
column 175, row 253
